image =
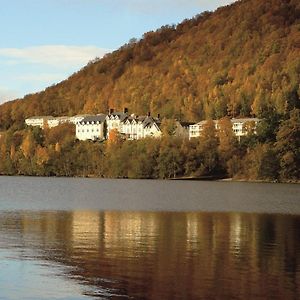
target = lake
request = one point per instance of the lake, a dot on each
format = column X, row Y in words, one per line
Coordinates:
column 64, row 238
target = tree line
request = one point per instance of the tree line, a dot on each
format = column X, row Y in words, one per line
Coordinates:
column 272, row 154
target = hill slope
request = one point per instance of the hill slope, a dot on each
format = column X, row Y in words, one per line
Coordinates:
column 243, row 59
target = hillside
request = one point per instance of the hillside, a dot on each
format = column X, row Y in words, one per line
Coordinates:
column 241, row 60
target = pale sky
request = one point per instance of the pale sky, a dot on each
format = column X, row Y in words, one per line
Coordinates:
column 42, row 42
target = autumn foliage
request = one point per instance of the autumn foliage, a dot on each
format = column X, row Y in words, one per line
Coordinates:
column 241, row 60
column 216, row 154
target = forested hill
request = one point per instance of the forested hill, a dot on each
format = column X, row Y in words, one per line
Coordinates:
column 241, row 60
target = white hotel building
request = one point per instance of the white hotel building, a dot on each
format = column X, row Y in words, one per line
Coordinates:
column 114, row 120
column 240, row 127
column 49, row 121
column 41, row 121
column 196, row 129
column 139, row 127
column 91, row 128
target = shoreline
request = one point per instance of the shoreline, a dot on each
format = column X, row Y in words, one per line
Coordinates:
column 222, row 179
column 203, row 178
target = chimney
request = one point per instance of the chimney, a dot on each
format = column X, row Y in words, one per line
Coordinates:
column 158, row 116
column 125, row 110
column 149, row 114
column 111, row 111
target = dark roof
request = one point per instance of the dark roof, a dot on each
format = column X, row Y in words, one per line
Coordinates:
column 130, row 119
column 97, row 118
column 121, row 115
column 149, row 121
column 244, row 120
column 145, row 120
column 40, row 117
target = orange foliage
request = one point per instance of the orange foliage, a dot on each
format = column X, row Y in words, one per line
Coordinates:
column 242, row 56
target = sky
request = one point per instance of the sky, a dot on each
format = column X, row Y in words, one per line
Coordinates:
column 42, row 42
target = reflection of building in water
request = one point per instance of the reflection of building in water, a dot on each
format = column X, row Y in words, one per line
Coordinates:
column 51, row 227
column 243, row 238
column 43, row 226
column 236, row 233
column 220, row 231
column 86, row 229
column 30, row 224
column 129, row 231
column 196, row 228
column 166, row 255
column 192, row 229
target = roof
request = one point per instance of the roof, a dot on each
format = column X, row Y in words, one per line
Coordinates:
column 80, row 116
column 59, row 119
column 130, row 119
column 241, row 120
column 244, row 120
column 121, row 115
column 40, row 117
column 203, row 122
column 149, row 121
column 98, row 118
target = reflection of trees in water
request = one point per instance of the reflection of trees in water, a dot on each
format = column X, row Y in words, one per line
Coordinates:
column 166, row 255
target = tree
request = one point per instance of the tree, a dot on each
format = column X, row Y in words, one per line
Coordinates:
column 292, row 100
column 170, row 159
column 288, row 146
column 38, row 135
column 227, row 140
column 261, row 163
column 114, row 137
column 42, row 155
column 168, row 127
column 59, row 134
column 28, row 146
column 208, row 150
column 144, row 160
column 267, row 128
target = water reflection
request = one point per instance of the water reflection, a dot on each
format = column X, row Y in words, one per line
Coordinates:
column 161, row 255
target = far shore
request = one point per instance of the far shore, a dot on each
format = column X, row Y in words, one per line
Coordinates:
column 190, row 178
column 211, row 178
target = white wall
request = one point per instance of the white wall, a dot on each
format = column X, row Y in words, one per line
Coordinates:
column 89, row 131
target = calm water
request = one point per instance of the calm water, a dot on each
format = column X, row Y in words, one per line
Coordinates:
column 118, row 239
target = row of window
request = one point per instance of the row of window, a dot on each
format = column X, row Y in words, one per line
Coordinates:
column 91, row 123
column 113, row 124
column 132, row 130
column 237, row 130
column 92, row 130
column 192, row 132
